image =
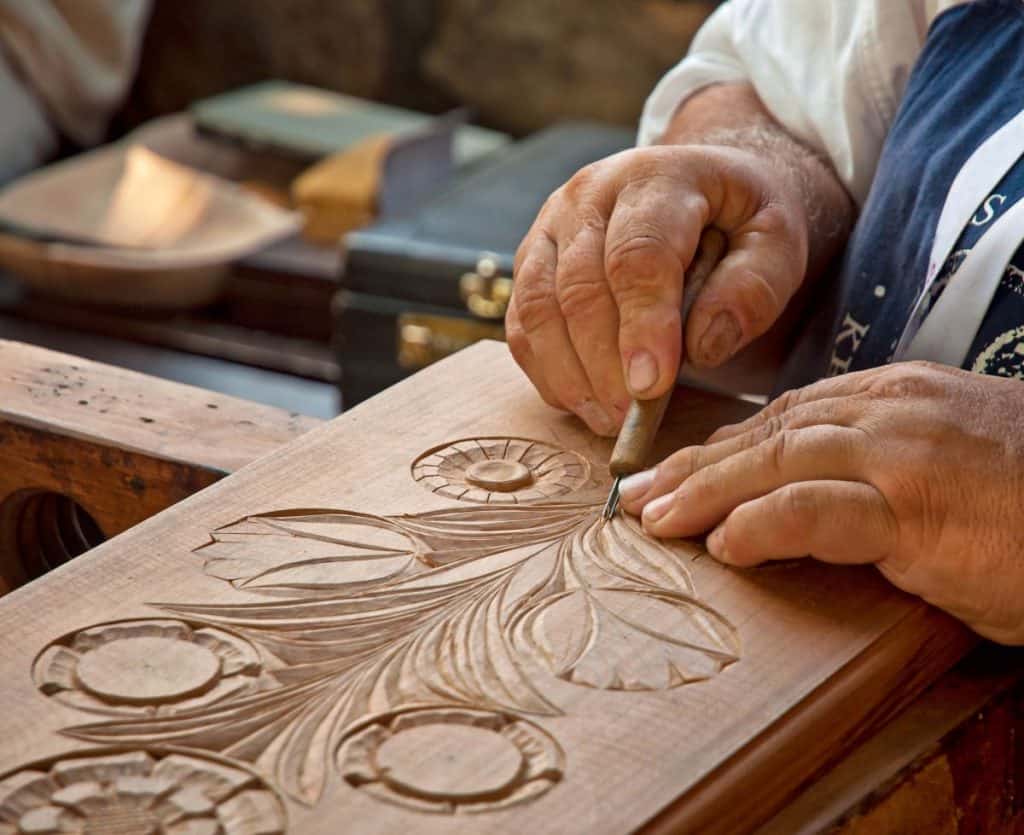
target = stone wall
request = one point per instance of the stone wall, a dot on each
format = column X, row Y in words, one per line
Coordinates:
column 520, row 64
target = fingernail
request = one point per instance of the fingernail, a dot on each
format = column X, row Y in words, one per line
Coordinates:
column 643, row 371
column 716, row 542
column 636, row 485
column 720, row 340
column 596, row 418
column 658, row 508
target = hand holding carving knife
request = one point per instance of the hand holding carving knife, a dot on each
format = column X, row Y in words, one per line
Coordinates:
column 636, row 438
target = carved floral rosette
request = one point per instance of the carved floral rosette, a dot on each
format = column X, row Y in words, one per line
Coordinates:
column 138, row 793
column 501, row 470
column 450, row 759
column 147, row 667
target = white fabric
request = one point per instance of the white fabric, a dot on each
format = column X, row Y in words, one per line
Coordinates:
column 27, row 139
column 831, row 71
column 76, row 56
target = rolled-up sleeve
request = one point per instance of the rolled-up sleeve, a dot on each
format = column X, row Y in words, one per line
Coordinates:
column 832, row 72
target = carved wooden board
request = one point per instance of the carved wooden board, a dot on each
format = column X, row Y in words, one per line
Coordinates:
column 414, row 620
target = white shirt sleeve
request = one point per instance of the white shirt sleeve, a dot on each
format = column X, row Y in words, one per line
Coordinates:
column 831, row 71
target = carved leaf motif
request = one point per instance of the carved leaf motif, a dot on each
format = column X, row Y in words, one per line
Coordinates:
column 310, row 554
column 590, row 622
column 601, row 638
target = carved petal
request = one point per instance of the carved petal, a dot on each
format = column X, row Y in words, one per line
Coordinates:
column 46, row 820
column 236, row 656
column 602, row 638
column 24, row 791
column 103, row 768
column 214, row 780
column 619, row 553
column 252, row 812
column 55, row 670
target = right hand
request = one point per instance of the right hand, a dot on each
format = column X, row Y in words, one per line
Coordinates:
column 594, row 319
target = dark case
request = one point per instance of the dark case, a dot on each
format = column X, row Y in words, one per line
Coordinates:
column 416, row 289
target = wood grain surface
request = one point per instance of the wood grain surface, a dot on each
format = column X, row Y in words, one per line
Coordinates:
column 375, row 625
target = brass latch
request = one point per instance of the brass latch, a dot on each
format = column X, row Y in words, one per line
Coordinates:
column 423, row 339
column 485, row 293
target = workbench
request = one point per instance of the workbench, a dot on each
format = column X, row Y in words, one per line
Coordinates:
column 88, row 451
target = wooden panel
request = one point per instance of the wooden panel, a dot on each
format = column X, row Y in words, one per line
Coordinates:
column 413, row 618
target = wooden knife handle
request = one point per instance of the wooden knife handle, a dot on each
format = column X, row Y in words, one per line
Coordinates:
column 636, row 438
column 639, row 429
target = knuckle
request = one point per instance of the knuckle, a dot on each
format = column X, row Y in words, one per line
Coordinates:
column 778, row 219
column 906, row 380
column 522, row 256
column 685, row 462
column 679, row 498
column 531, row 266
column 637, row 264
column 721, row 433
column 535, row 306
column 783, row 403
column 755, row 302
column 579, row 288
column 553, row 202
column 580, row 183
column 777, row 449
column 579, row 300
column 517, row 343
column 796, row 507
column 771, row 427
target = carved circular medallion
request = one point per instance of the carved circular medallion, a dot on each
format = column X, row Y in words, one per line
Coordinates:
column 138, row 793
column 502, row 476
column 450, row 759
column 501, row 470
column 447, row 761
column 147, row 667
column 147, row 670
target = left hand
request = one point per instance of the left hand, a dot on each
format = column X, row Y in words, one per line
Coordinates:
column 917, row 468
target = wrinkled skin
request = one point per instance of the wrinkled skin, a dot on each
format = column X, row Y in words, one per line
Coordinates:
column 595, row 315
column 917, row 468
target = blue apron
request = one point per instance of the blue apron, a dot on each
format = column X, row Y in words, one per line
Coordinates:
column 962, row 114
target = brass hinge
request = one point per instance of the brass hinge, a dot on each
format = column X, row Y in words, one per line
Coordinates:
column 423, row 338
column 486, row 293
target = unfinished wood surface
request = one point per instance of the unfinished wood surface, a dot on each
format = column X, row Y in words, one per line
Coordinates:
column 88, row 450
column 103, row 404
column 413, row 639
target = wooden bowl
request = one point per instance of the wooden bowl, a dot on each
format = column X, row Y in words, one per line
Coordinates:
column 66, row 272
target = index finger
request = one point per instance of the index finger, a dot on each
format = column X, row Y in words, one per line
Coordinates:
column 652, row 236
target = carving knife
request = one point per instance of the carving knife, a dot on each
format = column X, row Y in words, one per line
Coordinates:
column 636, row 438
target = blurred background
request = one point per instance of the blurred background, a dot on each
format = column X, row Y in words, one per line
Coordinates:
column 521, row 65
column 224, row 218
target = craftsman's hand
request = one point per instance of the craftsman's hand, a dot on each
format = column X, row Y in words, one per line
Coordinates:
column 914, row 467
column 595, row 315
